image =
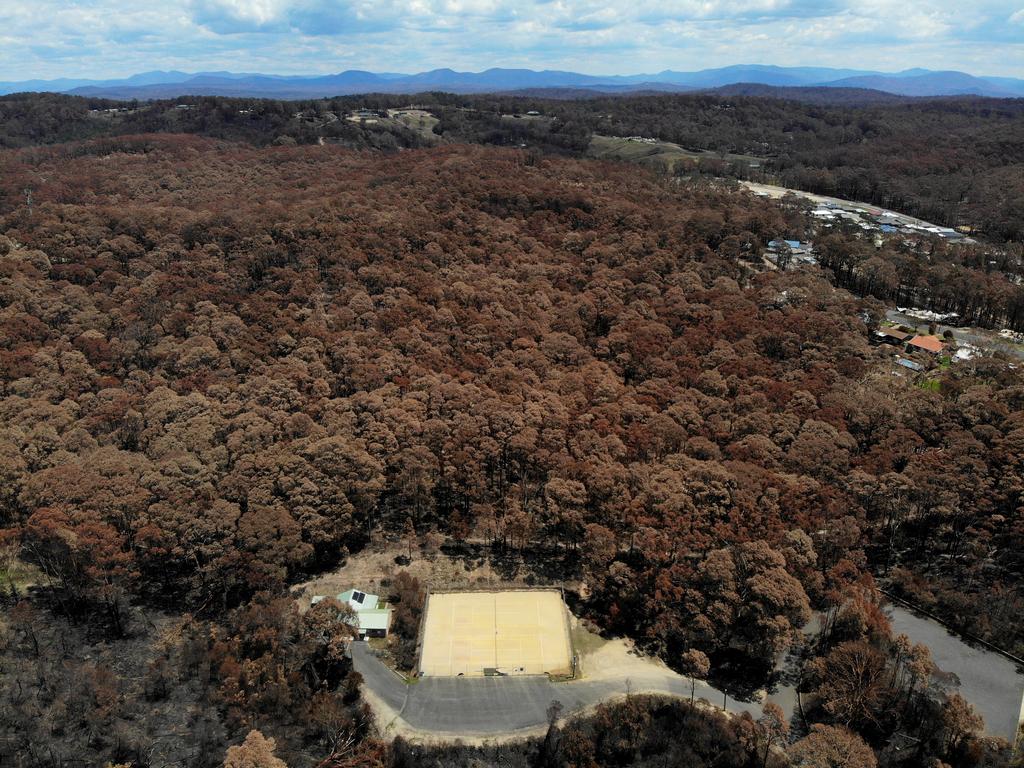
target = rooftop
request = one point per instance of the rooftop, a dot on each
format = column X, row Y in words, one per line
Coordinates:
column 360, row 601
column 375, row 618
column 909, row 364
column 892, row 333
column 927, row 343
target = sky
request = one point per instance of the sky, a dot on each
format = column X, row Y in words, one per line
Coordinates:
column 116, row 38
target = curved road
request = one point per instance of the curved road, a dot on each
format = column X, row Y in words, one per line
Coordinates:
column 450, row 707
column 493, row 706
column 992, row 683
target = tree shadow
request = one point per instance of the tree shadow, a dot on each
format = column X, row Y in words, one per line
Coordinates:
column 739, row 675
column 539, row 566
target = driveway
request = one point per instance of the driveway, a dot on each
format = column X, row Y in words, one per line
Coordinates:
column 501, row 706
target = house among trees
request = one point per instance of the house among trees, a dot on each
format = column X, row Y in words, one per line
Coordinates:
column 786, row 252
column 891, row 336
column 930, row 344
column 374, row 620
column 794, row 245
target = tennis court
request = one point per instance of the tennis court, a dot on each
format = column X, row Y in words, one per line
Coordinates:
column 516, row 632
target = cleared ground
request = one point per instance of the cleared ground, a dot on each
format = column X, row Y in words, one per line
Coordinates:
column 664, row 154
column 514, row 632
column 418, row 120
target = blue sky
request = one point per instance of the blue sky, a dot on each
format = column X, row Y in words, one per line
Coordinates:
column 114, row 38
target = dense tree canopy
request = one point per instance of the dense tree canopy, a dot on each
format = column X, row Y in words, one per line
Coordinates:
column 949, row 160
column 222, row 367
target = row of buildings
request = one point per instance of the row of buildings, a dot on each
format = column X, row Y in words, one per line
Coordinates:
column 881, row 221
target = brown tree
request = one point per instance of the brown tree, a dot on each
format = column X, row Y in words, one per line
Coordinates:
column 696, row 665
column 257, row 751
column 831, row 746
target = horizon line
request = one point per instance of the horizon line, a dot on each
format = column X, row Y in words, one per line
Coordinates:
column 309, row 74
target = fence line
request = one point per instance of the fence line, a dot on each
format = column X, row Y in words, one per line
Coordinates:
column 493, row 586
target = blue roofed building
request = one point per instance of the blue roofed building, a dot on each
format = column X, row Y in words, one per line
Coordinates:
column 793, row 244
column 910, row 364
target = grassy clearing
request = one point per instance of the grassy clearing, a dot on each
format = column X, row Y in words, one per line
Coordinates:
column 533, row 118
column 663, row 154
column 659, row 154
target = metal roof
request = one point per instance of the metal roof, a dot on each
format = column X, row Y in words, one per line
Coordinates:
column 374, row 618
column 910, row 364
column 360, row 601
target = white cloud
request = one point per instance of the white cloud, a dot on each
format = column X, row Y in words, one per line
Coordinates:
column 102, row 38
column 238, row 14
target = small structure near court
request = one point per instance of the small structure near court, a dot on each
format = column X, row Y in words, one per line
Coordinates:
column 374, row 620
column 515, row 632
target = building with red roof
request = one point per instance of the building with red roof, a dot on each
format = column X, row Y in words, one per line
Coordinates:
column 927, row 344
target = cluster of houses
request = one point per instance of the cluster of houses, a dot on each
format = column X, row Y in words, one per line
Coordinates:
column 368, row 115
column 111, row 111
column 925, row 349
column 789, row 254
column 785, row 254
column 372, row 617
column 874, row 221
column 884, row 222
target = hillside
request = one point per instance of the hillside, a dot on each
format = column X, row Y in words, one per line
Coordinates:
column 957, row 161
column 224, row 367
column 932, row 84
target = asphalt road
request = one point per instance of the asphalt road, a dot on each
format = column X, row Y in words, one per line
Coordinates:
column 495, row 706
column 480, row 706
column 991, row 682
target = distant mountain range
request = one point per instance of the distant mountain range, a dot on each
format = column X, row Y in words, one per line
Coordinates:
column 163, row 85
